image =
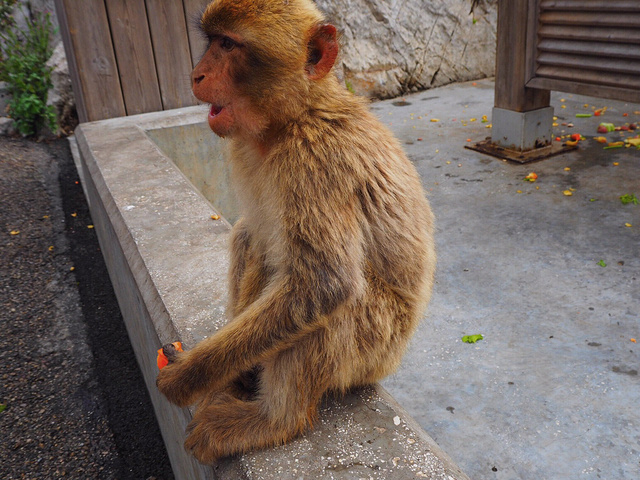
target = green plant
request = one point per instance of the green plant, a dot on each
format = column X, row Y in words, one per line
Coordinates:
column 6, row 9
column 23, row 66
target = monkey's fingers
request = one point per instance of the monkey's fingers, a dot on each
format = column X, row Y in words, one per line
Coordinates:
column 168, row 353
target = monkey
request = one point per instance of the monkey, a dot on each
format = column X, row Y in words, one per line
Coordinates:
column 332, row 261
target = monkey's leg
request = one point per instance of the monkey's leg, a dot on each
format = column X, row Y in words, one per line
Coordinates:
column 290, row 389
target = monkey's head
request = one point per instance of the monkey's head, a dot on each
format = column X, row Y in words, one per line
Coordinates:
column 263, row 60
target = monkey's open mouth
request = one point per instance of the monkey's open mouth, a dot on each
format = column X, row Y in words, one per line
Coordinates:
column 215, row 110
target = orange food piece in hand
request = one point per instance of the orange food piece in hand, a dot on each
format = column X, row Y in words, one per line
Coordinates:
column 162, row 360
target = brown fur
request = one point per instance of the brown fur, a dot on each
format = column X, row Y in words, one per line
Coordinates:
column 332, row 263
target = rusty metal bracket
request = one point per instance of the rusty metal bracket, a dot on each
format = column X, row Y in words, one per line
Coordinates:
column 490, row 148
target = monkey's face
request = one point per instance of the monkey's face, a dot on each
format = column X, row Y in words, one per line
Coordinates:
column 262, row 59
column 213, row 82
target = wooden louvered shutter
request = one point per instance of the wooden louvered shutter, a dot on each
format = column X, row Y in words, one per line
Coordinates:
column 589, row 47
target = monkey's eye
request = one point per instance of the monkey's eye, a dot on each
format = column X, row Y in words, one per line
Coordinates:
column 227, row 44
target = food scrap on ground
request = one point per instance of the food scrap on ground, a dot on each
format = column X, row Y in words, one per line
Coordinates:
column 606, row 127
column 472, row 338
column 614, row 145
column 629, row 198
column 532, row 177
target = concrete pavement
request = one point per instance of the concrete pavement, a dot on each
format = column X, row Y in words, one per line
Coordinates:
column 552, row 391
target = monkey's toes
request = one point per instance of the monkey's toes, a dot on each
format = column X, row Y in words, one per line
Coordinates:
column 202, row 444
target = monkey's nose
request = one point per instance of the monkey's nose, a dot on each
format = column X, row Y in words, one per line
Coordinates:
column 197, row 79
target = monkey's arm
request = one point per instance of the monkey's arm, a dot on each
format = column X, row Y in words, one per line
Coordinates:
column 322, row 252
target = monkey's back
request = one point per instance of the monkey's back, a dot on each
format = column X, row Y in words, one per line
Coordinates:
column 400, row 251
column 350, row 174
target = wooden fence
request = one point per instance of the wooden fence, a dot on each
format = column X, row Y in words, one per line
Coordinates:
column 130, row 56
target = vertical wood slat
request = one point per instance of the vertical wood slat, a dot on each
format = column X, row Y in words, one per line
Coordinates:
column 85, row 31
column 134, row 53
column 71, row 60
column 171, row 46
column 193, row 10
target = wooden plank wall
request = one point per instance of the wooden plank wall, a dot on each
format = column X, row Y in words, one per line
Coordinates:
column 130, row 56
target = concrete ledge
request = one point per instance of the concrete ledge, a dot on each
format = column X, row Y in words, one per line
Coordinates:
column 167, row 260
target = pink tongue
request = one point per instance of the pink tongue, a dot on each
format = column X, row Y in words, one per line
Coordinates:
column 214, row 110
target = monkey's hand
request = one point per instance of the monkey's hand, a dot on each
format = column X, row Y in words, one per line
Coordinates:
column 179, row 379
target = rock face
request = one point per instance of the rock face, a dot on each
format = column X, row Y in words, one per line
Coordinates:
column 390, row 47
column 25, row 7
column 61, row 95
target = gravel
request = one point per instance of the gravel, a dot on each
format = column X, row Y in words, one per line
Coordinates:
column 75, row 404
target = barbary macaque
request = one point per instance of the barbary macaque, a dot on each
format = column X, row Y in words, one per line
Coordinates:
column 332, row 261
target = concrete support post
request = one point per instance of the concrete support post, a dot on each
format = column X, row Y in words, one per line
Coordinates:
column 522, row 131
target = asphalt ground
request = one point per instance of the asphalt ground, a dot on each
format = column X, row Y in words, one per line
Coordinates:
column 75, row 405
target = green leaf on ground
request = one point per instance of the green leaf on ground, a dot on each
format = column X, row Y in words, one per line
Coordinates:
column 472, row 338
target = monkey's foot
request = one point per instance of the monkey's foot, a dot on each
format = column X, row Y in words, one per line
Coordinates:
column 226, row 425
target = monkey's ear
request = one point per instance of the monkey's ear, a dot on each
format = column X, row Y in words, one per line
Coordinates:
column 322, row 51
